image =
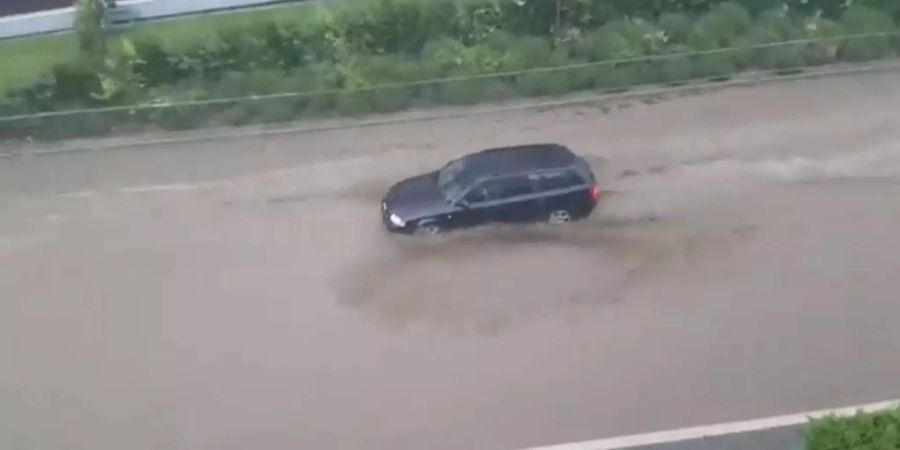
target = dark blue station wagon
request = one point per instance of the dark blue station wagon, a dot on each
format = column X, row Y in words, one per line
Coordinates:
column 520, row 184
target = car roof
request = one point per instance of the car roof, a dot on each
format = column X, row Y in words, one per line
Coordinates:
column 513, row 160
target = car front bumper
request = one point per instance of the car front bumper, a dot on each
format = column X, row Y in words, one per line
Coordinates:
column 391, row 226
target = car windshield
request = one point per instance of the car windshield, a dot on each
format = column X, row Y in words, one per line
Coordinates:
column 450, row 180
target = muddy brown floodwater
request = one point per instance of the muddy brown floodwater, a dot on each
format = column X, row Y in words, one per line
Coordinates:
column 242, row 293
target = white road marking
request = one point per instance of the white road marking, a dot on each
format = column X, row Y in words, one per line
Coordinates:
column 177, row 187
column 78, row 194
column 722, row 429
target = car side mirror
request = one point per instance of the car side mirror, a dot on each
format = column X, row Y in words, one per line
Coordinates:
column 462, row 204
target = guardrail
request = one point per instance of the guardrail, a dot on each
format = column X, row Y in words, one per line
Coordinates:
column 42, row 22
column 127, row 12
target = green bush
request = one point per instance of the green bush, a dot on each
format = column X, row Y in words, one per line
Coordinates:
column 350, row 57
column 393, row 26
column 677, row 26
column 543, row 83
column 878, row 431
column 714, row 65
column 476, row 20
column 231, row 84
column 782, row 57
column 463, row 92
column 773, row 28
column 275, row 110
column 393, row 99
column 530, row 52
column 266, row 81
column 639, row 37
column 156, row 65
column 779, row 25
column 624, row 39
column 529, row 17
column 235, row 115
column 449, row 55
column 63, row 127
column 599, row 45
column 674, row 69
column 825, row 50
column 74, row 83
column 610, row 78
column 862, row 20
column 354, row 104
column 721, row 27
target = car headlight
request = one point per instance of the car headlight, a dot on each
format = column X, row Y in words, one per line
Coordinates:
column 396, row 220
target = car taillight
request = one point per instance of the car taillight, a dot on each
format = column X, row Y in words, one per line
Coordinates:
column 595, row 193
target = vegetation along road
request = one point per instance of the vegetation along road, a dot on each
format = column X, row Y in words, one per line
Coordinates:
column 242, row 293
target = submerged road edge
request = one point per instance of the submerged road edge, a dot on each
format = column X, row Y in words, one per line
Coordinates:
column 721, row 429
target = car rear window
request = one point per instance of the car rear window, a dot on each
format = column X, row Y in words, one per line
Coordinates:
column 558, row 180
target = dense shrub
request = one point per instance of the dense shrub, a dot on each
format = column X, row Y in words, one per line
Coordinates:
column 674, row 68
column 861, row 20
column 462, row 92
column 677, row 27
column 827, row 33
column 721, row 27
column 860, row 432
column 353, row 58
column 714, row 65
column 613, row 77
column 393, row 26
column 529, row 52
column 543, row 83
column 765, row 42
column 274, row 110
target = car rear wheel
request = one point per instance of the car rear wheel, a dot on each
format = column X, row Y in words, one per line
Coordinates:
column 429, row 229
column 560, row 217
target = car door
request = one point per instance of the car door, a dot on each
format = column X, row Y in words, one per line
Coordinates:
column 513, row 200
column 561, row 191
column 473, row 208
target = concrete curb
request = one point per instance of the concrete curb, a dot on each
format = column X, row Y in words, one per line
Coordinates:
column 722, row 429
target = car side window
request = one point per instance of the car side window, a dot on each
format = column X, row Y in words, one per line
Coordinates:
column 476, row 195
column 558, row 180
column 504, row 188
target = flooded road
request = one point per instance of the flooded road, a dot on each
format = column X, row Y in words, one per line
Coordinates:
column 242, row 294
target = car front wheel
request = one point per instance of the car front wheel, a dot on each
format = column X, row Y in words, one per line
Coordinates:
column 428, row 229
column 560, row 217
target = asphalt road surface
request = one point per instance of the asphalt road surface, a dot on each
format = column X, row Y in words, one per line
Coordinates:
column 242, row 293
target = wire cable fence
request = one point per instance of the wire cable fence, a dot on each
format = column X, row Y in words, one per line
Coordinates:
column 604, row 76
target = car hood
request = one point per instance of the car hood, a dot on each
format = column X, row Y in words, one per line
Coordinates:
column 416, row 197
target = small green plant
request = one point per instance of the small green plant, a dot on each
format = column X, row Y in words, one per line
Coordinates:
column 876, row 431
